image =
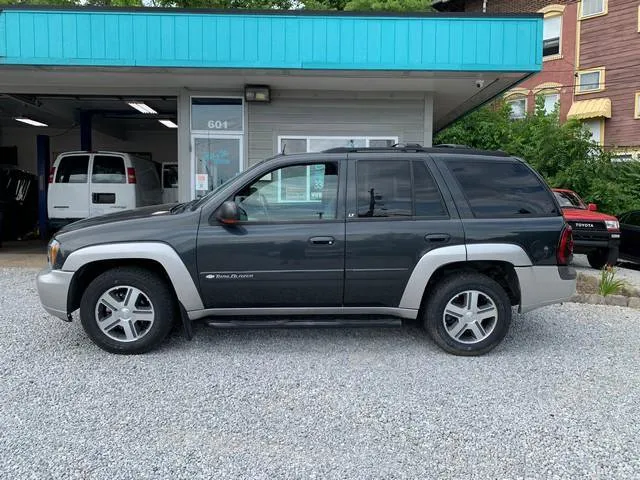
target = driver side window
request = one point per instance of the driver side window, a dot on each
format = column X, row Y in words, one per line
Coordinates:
column 306, row 192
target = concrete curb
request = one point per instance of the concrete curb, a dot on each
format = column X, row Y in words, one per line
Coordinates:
column 614, row 300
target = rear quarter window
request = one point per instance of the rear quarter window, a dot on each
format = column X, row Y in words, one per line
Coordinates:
column 108, row 169
column 73, row 169
column 495, row 188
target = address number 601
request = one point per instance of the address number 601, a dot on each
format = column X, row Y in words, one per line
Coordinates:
column 218, row 124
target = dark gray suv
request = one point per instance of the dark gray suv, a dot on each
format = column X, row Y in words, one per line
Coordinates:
column 451, row 237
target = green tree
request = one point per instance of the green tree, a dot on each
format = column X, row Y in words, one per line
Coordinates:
column 228, row 4
column 324, row 4
column 70, row 3
column 562, row 152
column 37, row 2
column 389, row 5
column 366, row 5
column 114, row 3
column 353, row 5
column 218, row 4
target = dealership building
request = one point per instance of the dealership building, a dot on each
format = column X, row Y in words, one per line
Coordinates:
column 206, row 94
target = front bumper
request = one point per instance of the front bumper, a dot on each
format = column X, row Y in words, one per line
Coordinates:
column 584, row 242
column 53, row 289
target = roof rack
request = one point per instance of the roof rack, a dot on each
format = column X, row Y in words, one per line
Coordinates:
column 450, row 145
column 397, row 147
column 417, row 148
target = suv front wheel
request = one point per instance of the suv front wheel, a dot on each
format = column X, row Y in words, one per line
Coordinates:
column 468, row 314
column 127, row 310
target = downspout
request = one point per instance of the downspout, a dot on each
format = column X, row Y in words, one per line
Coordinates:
column 484, row 6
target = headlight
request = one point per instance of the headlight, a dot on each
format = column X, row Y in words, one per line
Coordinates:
column 612, row 224
column 52, row 251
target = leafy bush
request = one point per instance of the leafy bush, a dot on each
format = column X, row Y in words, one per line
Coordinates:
column 562, row 152
column 609, row 285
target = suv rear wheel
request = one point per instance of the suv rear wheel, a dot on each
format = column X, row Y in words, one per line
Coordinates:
column 468, row 314
column 127, row 310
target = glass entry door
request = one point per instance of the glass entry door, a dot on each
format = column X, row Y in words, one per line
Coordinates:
column 217, row 159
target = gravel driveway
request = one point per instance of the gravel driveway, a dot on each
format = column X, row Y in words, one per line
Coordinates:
column 558, row 399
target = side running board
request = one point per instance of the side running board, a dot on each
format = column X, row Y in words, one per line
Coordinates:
column 235, row 323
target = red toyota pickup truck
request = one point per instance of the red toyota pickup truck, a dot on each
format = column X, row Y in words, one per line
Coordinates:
column 594, row 233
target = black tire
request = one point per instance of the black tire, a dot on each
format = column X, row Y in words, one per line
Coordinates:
column 598, row 258
column 453, row 286
column 152, row 286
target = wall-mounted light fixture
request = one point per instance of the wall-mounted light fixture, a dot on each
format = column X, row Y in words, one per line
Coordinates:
column 257, row 93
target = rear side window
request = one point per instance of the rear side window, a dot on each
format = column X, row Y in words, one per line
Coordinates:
column 502, row 189
column 428, row 200
column 384, row 189
column 108, row 169
column 73, row 169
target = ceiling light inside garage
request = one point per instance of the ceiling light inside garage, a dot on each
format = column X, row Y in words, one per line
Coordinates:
column 168, row 123
column 31, row 122
column 142, row 107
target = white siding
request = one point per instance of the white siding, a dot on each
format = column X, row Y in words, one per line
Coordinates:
column 326, row 114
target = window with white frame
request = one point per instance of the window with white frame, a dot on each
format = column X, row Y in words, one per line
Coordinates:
column 637, row 109
column 307, row 144
column 622, row 157
column 310, row 181
column 594, row 127
column 551, row 101
column 518, row 107
column 590, row 81
column 551, row 32
column 292, row 193
column 590, row 8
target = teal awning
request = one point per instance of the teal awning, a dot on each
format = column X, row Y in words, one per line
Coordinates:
column 269, row 40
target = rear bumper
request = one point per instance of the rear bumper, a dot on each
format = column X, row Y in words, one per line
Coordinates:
column 53, row 289
column 545, row 285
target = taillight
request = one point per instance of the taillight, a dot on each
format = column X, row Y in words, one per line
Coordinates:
column 131, row 175
column 565, row 247
column 52, row 174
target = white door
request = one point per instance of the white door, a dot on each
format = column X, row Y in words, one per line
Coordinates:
column 68, row 195
column 110, row 190
column 217, row 159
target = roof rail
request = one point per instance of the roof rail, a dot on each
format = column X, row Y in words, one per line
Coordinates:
column 406, row 145
column 450, row 145
column 398, row 147
column 447, row 148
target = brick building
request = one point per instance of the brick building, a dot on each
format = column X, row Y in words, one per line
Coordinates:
column 590, row 65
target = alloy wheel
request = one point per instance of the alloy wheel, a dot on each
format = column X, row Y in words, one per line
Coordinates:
column 124, row 313
column 470, row 317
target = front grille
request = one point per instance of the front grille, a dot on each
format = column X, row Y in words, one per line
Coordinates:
column 588, row 227
column 580, row 235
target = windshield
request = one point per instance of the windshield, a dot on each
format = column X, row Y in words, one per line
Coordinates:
column 569, row 200
column 202, row 200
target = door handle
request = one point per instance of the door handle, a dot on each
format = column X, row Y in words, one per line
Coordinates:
column 437, row 237
column 322, row 240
